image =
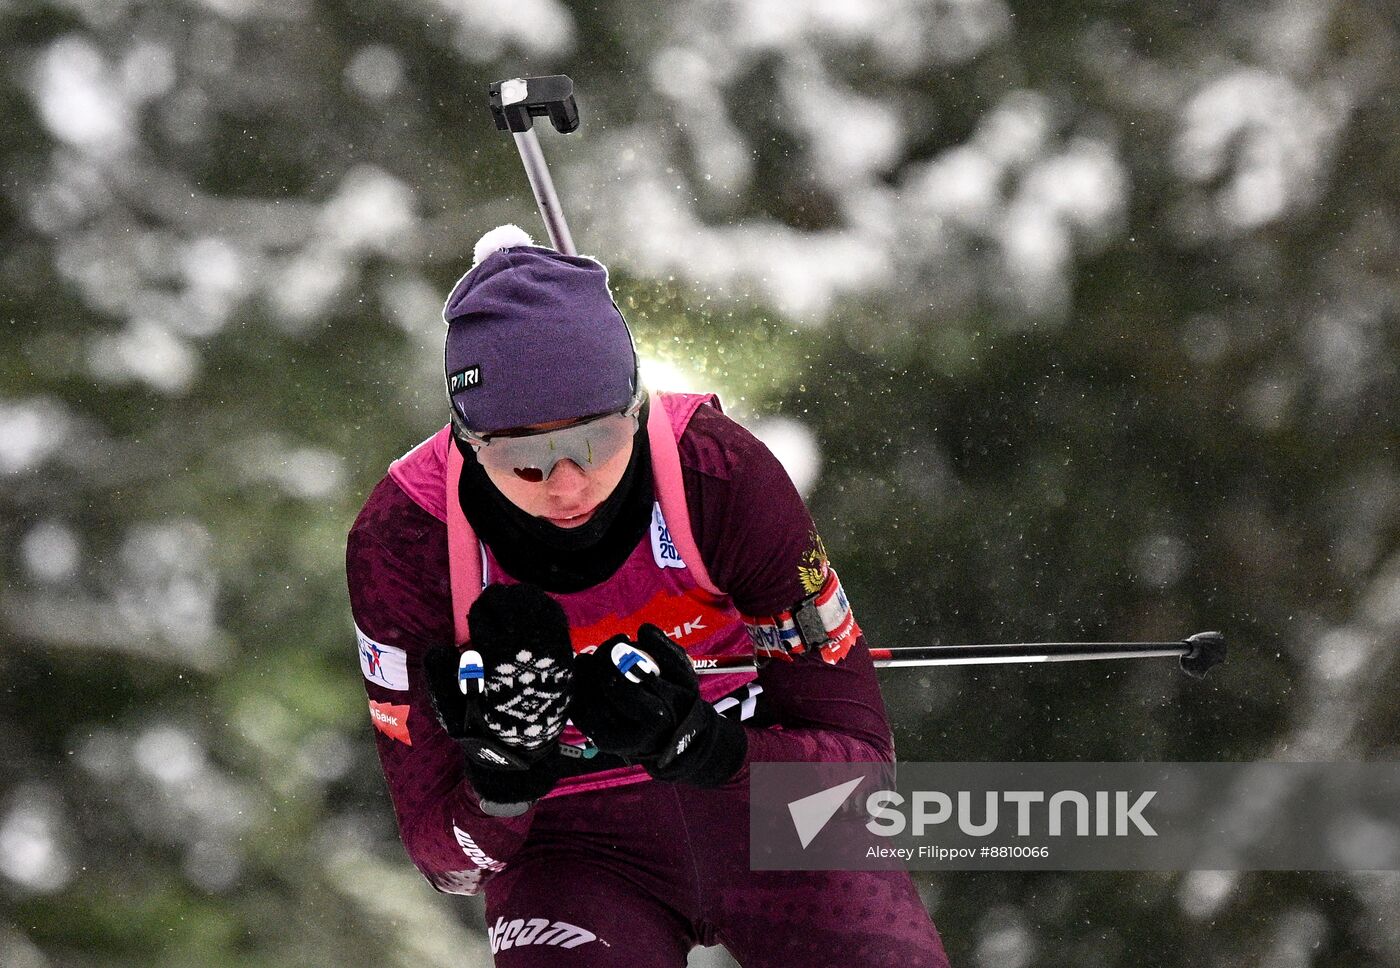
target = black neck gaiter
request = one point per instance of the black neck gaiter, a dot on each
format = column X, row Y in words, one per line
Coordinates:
column 558, row 559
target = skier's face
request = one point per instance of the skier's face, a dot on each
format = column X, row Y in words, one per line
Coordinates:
column 569, row 496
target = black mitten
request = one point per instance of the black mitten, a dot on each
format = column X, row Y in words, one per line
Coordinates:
column 653, row 714
column 510, row 716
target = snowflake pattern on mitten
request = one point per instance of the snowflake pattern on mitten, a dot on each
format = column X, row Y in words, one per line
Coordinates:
column 528, row 698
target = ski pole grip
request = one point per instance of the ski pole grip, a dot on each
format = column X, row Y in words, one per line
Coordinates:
column 516, row 102
column 633, row 662
column 1207, row 651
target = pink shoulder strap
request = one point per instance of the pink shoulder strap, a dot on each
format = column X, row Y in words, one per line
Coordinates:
column 667, row 421
column 669, row 414
column 463, row 551
column 429, row 475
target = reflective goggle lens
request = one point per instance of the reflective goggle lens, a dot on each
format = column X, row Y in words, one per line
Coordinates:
column 532, row 457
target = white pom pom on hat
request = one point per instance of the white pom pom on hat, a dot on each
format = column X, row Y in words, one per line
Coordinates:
column 501, row 237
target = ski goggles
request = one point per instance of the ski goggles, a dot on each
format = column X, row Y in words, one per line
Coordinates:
column 532, row 455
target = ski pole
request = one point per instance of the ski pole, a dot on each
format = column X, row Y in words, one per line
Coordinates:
column 514, row 105
column 1197, row 654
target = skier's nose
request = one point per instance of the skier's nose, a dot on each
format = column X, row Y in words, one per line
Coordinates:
column 566, row 478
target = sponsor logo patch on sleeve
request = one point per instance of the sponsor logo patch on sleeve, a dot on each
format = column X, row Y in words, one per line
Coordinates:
column 474, row 853
column 391, row 720
column 382, row 664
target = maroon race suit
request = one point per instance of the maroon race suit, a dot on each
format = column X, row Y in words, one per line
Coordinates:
column 639, row 871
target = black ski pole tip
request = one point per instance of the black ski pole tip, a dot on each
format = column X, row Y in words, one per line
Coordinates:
column 1207, row 650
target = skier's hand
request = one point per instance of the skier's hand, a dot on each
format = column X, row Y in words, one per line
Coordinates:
column 659, row 720
column 508, row 723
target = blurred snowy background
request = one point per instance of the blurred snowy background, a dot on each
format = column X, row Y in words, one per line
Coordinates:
column 1072, row 319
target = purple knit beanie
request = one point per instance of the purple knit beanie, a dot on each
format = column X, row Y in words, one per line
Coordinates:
column 533, row 336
